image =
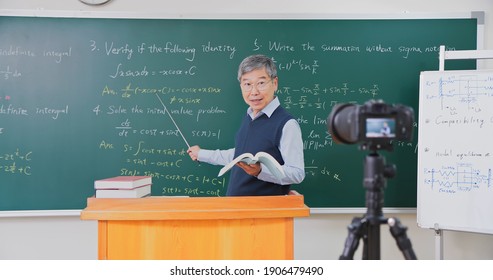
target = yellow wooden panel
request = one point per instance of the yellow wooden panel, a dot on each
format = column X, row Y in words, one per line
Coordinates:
column 102, row 240
column 197, row 227
column 201, row 239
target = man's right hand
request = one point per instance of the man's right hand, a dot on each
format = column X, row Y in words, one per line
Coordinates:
column 193, row 152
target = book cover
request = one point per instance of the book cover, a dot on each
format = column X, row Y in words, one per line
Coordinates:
column 123, row 182
column 124, row 193
column 269, row 161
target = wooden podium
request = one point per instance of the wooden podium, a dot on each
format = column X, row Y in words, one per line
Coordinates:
column 196, row 228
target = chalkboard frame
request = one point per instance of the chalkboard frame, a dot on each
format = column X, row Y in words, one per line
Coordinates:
column 477, row 15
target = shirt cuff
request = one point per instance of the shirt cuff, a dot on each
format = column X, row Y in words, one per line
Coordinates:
column 204, row 155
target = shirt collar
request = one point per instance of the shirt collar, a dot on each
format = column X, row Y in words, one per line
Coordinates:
column 268, row 110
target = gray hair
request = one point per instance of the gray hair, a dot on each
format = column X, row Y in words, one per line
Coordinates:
column 255, row 62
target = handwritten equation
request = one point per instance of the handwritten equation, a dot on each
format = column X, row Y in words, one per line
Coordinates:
column 167, row 165
column 17, row 162
column 130, row 90
column 314, row 170
column 457, row 178
column 461, row 92
column 8, row 73
column 125, row 129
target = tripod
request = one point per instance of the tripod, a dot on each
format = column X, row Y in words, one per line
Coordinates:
column 368, row 227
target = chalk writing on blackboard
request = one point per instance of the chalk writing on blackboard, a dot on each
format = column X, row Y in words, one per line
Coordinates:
column 13, row 110
column 8, row 72
column 16, row 162
column 83, row 101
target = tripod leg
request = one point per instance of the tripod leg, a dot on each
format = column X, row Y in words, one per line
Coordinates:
column 398, row 231
column 355, row 230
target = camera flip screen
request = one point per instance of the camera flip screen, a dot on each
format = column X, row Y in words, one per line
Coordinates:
column 380, row 128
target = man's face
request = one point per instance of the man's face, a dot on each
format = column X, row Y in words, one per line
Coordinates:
column 258, row 89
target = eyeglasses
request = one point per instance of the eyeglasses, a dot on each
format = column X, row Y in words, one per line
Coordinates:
column 260, row 85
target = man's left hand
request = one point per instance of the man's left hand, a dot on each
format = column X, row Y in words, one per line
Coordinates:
column 251, row 169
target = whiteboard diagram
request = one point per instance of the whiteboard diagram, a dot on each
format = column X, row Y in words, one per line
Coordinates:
column 457, row 178
column 461, row 90
column 455, row 157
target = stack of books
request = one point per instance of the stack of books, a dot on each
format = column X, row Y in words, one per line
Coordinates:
column 123, row 187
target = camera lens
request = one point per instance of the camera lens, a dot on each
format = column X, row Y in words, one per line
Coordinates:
column 342, row 123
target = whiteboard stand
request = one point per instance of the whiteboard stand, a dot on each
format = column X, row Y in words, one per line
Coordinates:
column 477, row 54
column 438, row 243
column 444, row 55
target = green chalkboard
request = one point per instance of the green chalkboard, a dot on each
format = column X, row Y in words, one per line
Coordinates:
column 78, row 99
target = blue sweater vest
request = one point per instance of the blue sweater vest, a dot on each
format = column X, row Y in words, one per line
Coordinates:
column 261, row 134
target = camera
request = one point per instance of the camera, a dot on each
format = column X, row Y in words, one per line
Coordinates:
column 374, row 124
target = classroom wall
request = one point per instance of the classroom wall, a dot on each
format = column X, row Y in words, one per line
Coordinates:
column 320, row 236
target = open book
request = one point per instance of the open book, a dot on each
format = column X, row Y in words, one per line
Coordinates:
column 263, row 157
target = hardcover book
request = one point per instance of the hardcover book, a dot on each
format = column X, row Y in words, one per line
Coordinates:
column 124, row 193
column 123, row 182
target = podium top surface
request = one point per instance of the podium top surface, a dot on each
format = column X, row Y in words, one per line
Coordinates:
column 194, row 208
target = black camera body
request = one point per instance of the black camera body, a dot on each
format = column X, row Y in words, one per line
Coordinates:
column 374, row 124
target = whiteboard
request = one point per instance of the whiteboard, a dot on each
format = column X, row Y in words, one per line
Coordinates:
column 455, row 154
